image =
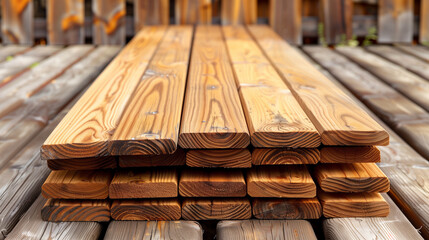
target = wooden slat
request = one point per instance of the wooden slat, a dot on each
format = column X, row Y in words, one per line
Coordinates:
column 419, row 51
column 83, row 163
column 87, row 128
column 17, row 22
column 337, row 20
column 109, row 22
column 160, row 97
column 166, row 209
column 212, row 183
column 216, row 209
column 285, row 19
column 265, row 229
column 424, row 22
column 280, row 181
column 395, row 21
column 69, row 184
column 301, row 208
column 65, row 20
column 166, row 230
column 285, row 156
column 193, row 11
column 351, row 177
column 60, row 210
column 234, row 12
column 365, row 154
column 149, row 12
column 156, row 183
column 274, row 117
column 212, row 114
column 226, row 158
column 12, row 51
column 178, row 158
column 338, row 119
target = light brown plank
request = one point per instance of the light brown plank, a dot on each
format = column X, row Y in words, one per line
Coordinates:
column 65, row 21
column 226, row 158
column 178, row 158
column 364, row 154
column 301, row 208
column 285, row 19
column 83, row 163
column 146, row 210
column 60, row 210
column 285, row 156
column 337, row 20
column 149, row 12
column 235, row 12
column 424, row 22
column 395, row 21
column 109, row 22
column 419, row 51
column 216, row 209
column 193, row 11
column 17, row 22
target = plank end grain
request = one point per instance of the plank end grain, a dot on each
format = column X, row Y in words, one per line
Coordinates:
column 285, row 156
column 216, row 209
column 149, row 146
column 218, row 140
column 228, row 158
column 367, row 154
column 178, row 158
column 146, row 210
column 60, row 210
column 83, row 163
column 302, row 208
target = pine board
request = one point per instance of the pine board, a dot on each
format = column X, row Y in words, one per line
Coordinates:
column 285, row 156
column 146, row 210
column 416, row 133
column 109, row 22
column 216, row 209
column 363, row 154
column 61, row 210
column 225, row 158
column 149, row 12
column 193, row 11
column 337, row 20
column 178, row 158
column 300, row 208
column 17, row 22
column 395, row 21
column 285, row 18
column 83, row 163
column 65, row 21
column 234, row 12
column 212, row 115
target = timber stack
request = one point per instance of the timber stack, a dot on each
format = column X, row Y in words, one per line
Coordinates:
column 213, row 123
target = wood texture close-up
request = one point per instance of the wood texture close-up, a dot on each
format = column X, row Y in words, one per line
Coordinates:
column 149, row 12
column 235, row 12
column 193, row 11
column 286, row 19
column 219, row 208
column 17, row 22
column 301, row 208
column 369, row 154
column 224, row 158
column 83, row 163
column 285, row 156
column 146, row 210
column 178, row 158
column 109, row 22
column 65, row 21
column 60, row 210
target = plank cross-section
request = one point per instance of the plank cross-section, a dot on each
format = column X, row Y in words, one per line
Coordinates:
column 215, row 209
column 301, row 208
column 153, row 209
column 60, row 210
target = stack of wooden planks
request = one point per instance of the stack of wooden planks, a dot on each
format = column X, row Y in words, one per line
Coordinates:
column 213, row 123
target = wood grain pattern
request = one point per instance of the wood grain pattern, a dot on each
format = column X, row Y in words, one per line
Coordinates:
column 83, row 163
column 154, row 183
column 193, row 11
column 212, row 114
column 274, row 117
column 285, row 156
column 366, row 154
column 159, row 96
column 337, row 20
column 212, row 183
column 353, row 205
column 178, row 158
column 419, row 51
column 265, row 229
column 234, row 12
column 285, row 19
column 109, row 22
column 280, row 182
column 147, row 210
column 347, row 123
column 216, row 209
column 60, row 210
column 286, row 208
column 149, row 12
column 416, row 133
column 17, row 22
column 65, row 21
column 167, row 230
column 85, row 131
column 395, row 21
column 226, row 158
column 69, row 184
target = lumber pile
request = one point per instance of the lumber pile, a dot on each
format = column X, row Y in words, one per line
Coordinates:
column 213, row 123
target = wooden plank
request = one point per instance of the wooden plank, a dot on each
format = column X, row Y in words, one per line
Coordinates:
column 69, row 184
column 12, row 51
column 109, row 22
column 212, row 183
column 353, row 205
column 144, row 210
column 395, row 21
column 160, row 96
column 419, row 51
column 226, row 158
column 193, row 11
column 363, row 154
column 337, row 20
column 285, row 18
column 234, row 12
column 301, row 208
column 424, row 22
column 83, row 163
column 167, row 230
column 61, row 210
column 285, row 156
column 65, row 21
column 280, row 182
column 216, row 209
column 274, row 117
column 17, row 22
column 351, row 177
column 265, row 229
column 31, row 226
column 212, row 114
column 154, row 183
column 416, row 133
column 149, row 12
column 70, row 139
column 178, row 158
column 347, row 123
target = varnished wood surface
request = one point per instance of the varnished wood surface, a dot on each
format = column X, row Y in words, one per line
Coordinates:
column 61, row 210
column 367, row 154
column 109, row 22
column 280, row 182
column 274, row 208
column 285, row 156
column 144, row 183
column 83, row 163
column 178, row 158
column 167, row 230
column 193, row 11
column 212, row 183
column 160, row 97
column 285, row 18
column 65, row 20
column 395, row 21
column 149, row 12
column 154, row 209
column 17, row 22
column 70, row 184
column 85, row 131
column 339, row 120
column 235, row 12
column 225, row 158
column 265, row 229
column 274, row 117
column 216, row 209
column 212, row 114
column 337, row 20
